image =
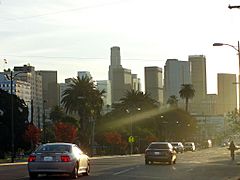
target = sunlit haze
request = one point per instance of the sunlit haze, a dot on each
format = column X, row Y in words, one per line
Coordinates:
column 70, row 36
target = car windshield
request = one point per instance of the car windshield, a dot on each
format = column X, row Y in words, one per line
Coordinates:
column 53, row 148
column 158, row 146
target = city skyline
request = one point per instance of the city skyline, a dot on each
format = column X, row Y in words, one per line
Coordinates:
column 75, row 36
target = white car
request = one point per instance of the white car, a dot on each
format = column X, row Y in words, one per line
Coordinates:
column 189, row 146
column 178, row 146
column 65, row 158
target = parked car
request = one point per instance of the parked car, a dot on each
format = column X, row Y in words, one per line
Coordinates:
column 160, row 152
column 178, row 146
column 65, row 158
column 189, row 146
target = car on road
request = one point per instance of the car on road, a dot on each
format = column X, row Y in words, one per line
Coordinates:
column 178, row 146
column 160, row 152
column 189, row 146
column 58, row 158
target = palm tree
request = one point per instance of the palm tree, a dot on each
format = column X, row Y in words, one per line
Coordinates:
column 187, row 92
column 173, row 101
column 137, row 99
column 82, row 97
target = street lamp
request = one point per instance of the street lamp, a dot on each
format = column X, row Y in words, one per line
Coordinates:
column 237, row 48
column 44, row 122
column 131, row 138
column 12, row 76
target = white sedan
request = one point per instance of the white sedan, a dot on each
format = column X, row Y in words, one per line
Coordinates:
column 56, row 158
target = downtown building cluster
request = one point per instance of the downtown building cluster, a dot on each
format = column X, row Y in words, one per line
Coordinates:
column 41, row 92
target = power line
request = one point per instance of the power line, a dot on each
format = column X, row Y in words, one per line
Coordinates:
column 81, row 58
column 64, row 11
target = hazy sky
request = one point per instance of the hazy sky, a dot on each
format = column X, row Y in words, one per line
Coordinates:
column 76, row 35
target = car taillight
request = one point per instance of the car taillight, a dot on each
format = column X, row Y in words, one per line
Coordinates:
column 65, row 158
column 31, row 158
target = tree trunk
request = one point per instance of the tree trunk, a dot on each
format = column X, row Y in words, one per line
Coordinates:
column 186, row 104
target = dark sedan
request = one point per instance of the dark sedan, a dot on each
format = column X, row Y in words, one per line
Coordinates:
column 160, row 152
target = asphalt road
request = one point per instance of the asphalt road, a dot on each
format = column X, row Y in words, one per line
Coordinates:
column 208, row 164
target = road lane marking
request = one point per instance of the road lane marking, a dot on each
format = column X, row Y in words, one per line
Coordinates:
column 123, row 171
column 22, row 177
column 13, row 164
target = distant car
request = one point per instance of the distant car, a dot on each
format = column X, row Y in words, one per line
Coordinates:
column 58, row 158
column 189, row 146
column 178, row 146
column 160, row 152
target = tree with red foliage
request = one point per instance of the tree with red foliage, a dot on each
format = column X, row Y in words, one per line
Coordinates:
column 32, row 134
column 65, row 132
column 113, row 138
column 151, row 138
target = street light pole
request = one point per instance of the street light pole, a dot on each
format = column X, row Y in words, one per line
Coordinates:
column 12, row 76
column 238, row 51
column 44, row 122
column 12, row 119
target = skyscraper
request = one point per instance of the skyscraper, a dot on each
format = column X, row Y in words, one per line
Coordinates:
column 82, row 74
column 176, row 73
column 50, row 88
column 115, row 57
column 227, row 93
column 35, row 80
column 154, row 83
column 198, row 75
column 121, row 78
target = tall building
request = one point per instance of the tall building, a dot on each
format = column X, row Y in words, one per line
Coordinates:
column 105, row 85
column 198, row 75
column 121, row 78
column 176, row 73
column 50, row 88
column 22, row 89
column 35, row 80
column 154, row 83
column 82, row 74
column 115, row 57
column 136, row 84
column 227, row 93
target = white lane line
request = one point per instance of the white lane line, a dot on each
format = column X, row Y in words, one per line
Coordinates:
column 22, row 177
column 123, row 171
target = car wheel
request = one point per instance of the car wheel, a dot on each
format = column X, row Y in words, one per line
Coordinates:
column 74, row 174
column 33, row 175
column 87, row 170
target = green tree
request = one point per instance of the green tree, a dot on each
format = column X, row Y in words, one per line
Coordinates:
column 56, row 114
column 172, row 101
column 187, row 92
column 20, row 112
column 137, row 99
column 83, row 98
column 134, row 108
column 233, row 122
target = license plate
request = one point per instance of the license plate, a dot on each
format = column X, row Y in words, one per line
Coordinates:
column 48, row 158
column 157, row 153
